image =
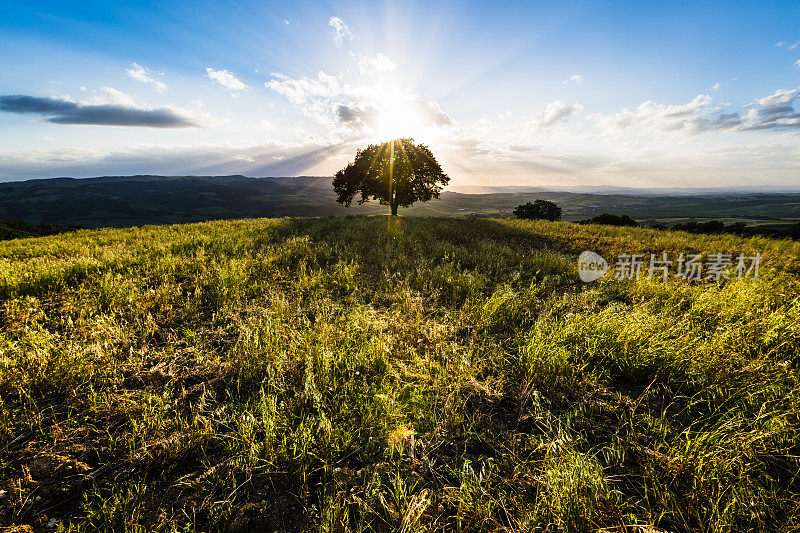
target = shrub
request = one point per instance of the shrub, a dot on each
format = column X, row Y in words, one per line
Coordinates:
column 538, row 210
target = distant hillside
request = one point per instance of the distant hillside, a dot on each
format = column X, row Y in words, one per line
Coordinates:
column 138, row 200
column 121, row 201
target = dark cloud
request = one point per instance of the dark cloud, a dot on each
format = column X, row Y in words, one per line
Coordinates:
column 20, row 103
column 66, row 112
column 357, row 114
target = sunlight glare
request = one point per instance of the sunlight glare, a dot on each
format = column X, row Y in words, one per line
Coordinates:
column 400, row 117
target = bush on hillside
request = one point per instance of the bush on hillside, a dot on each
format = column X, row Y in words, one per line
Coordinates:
column 538, row 210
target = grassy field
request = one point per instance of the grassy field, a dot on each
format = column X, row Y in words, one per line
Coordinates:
column 357, row 374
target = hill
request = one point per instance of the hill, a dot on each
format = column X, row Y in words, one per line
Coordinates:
column 352, row 373
column 124, row 201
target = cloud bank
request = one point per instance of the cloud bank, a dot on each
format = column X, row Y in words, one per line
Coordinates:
column 773, row 112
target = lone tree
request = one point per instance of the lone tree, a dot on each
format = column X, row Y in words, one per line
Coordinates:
column 540, row 209
column 398, row 173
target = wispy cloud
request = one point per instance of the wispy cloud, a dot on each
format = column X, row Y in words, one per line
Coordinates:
column 341, row 31
column 780, row 44
column 142, row 74
column 62, row 111
column 373, row 63
column 577, row 78
column 303, row 90
column 226, row 79
column 110, row 96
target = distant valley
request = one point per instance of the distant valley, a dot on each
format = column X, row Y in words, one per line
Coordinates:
column 122, row 201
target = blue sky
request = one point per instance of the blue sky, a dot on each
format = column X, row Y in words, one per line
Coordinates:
column 530, row 93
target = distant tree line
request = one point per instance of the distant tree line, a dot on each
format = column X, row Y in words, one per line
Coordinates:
column 709, row 227
column 544, row 210
column 739, row 228
column 16, row 229
column 610, row 220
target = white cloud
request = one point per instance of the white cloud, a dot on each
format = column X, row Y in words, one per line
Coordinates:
column 110, row 96
column 797, row 63
column 341, row 31
column 794, row 45
column 304, row 90
column 287, row 21
column 773, row 112
column 577, row 78
column 780, row 43
column 373, row 63
column 142, row 74
column 226, row 79
column 715, row 86
column 555, row 113
column 651, row 116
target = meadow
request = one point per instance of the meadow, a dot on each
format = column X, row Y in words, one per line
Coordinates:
column 418, row 374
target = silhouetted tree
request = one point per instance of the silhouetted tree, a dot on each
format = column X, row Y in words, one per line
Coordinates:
column 610, row 220
column 540, row 209
column 398, row 173
column 709, row 226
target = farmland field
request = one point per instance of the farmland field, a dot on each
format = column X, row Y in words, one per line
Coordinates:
column 373, row 374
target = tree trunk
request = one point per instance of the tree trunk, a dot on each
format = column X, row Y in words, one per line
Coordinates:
column 394, row 210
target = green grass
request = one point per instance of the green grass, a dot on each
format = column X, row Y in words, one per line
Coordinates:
column 348, row 374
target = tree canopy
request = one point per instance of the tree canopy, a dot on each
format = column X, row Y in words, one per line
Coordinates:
column 397, row 173
column 540, row 209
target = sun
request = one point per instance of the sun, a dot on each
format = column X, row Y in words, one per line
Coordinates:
column 401, row 116
column 398, row 120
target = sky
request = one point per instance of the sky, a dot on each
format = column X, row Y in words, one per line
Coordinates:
column 636, row 94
